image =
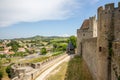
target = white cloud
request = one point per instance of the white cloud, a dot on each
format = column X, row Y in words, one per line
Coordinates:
column 14, row 11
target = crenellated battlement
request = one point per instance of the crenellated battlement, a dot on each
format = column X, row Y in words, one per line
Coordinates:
column 107, row 7
column 119, row 4
column 92, row 18
column 100, row 9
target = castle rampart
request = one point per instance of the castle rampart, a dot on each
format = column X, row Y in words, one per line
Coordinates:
column 30, row 71
column 104, row 56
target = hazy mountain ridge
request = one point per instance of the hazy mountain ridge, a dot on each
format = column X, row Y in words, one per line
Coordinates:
column 37, row 37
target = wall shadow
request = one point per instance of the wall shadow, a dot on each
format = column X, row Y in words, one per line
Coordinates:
column 77, row 69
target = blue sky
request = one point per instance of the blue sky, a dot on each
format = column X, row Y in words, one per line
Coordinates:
column 26, row 18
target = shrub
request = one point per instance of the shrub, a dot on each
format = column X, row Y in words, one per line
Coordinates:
column 15, row 45
column 72, row 39
column 43, row 51
column 8, row 70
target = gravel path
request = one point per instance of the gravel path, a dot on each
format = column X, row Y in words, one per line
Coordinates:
column 46, row 72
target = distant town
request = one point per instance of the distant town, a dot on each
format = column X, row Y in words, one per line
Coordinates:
column 29, row 50
column 30, row 45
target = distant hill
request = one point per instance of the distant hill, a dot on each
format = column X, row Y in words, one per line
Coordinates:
column 37, row 37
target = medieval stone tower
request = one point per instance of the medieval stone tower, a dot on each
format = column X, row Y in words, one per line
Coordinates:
column 98, row 42
column 104, row 40
column 108, row 32
column 87, row 30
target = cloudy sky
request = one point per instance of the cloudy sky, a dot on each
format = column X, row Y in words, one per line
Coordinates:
column 26, row 18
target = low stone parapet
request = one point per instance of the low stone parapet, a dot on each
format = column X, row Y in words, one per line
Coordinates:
column 30, row 74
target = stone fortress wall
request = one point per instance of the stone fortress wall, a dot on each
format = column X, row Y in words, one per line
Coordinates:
column 30, row 71
column 98, row 42
column 89, row 55
column 87, row 30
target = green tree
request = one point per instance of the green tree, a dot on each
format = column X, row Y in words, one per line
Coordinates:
column 43, row 51
column 1, row 48
column 14, row 45
column 2, row 56
column 73, row 40
column 59, row 47
column 64, row 47
column 54, row 45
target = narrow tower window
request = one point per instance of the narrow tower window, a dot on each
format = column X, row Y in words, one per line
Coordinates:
column 83, row 34
column 100, row 49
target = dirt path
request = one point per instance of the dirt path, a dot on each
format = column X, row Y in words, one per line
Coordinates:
column 46, row 72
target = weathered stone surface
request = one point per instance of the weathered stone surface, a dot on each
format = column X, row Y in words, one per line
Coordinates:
column 90, row 56
column 102, row 54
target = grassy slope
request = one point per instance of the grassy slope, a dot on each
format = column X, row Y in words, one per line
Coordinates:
column 59, row 72
column 5, row 76
column 77, row 70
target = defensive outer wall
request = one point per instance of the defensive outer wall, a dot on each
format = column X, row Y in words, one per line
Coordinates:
column 98, row 42
column 30, row 71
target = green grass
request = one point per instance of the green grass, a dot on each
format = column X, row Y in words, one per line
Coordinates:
column 40, row 59
column 13, row 60
column 5, row 75
column 59, row 72
column 34, row 60
column 57, row 53
column 77, row 70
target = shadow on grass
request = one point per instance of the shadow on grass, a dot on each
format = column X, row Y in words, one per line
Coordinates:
column 77, row 70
